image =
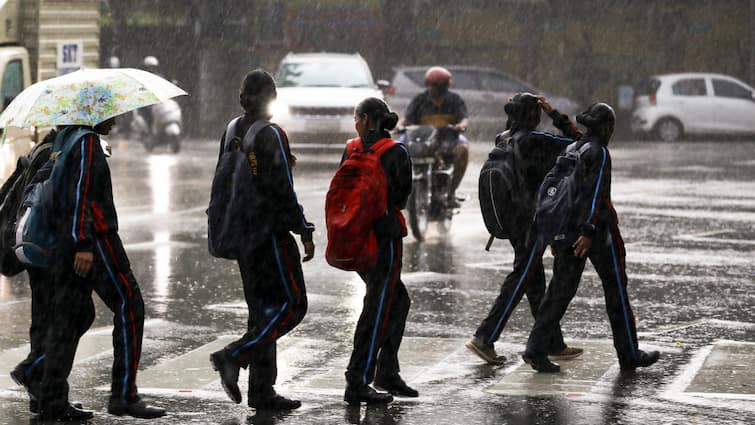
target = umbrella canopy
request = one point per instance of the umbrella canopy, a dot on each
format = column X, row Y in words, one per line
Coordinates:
column 87, row 97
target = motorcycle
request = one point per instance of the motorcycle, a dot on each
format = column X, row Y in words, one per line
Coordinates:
column 166, row 127
column 431, row 181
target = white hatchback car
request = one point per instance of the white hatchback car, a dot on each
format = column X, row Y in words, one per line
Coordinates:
column 317, row 94
column 672, row 105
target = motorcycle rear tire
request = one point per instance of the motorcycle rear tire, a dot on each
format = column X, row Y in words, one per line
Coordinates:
column 419, row 208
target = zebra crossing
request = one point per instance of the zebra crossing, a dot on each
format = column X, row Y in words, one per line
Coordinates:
column 714, row 375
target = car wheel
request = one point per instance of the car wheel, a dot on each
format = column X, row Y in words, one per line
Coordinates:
column 669, row 130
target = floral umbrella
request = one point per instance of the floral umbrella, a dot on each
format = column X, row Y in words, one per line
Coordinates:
column 87, row 97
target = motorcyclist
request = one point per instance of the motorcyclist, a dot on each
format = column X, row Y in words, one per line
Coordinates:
column 445, row 110
column 149, row 64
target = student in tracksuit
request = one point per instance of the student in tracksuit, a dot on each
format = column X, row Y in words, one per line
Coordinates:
column 93, row 258
column 386, row 303
column 596, row 236
column 29, row 372
column 539, row 151
column 271, row 273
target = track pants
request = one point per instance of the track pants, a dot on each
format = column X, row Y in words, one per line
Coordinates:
column 72, row 313
column 607, row 255
column 33, row 366
column 277, row 300
column 381, row 325
column 527, row 277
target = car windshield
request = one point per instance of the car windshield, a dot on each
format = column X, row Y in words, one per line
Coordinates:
column 324, row 74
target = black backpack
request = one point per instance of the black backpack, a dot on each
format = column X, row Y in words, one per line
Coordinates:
column 11, row 195
column 554, row 213
column 504, row 199
column 232, row 217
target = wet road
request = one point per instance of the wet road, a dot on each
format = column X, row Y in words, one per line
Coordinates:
column 687, row 214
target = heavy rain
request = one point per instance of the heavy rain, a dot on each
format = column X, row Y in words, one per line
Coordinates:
column 364, row 283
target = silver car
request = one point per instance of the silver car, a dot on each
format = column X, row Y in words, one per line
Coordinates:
column 484, row 90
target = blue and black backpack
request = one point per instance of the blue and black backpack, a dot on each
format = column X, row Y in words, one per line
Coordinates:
column 11, row 194
column 556, row 199
column 36, row 233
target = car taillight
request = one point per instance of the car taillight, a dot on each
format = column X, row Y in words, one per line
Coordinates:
column 390, row 90
column 652, row 99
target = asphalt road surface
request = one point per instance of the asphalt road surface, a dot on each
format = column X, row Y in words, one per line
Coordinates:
column 687, row 214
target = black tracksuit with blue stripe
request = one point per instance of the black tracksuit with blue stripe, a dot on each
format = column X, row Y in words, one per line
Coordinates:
column 596, row 219
column 271, row 272
column 88, row 223
column 539, row 152
column 380, row 328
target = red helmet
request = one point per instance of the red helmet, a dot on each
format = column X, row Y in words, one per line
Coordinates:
column 438, row 76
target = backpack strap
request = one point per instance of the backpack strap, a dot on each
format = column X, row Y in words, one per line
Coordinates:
column 584, row 148
column 248, row 142
column 382, row 145
column 230, row 133
column 352, row 145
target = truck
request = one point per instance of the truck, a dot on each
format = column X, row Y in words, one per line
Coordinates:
column 40, row 39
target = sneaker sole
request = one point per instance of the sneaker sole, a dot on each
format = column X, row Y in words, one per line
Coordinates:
column 495, row 362
column 228, row 392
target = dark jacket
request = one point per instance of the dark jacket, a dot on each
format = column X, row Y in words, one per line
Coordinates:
column 397, row 166
column 540, row 149
column 594, row 209
column 275, row 178
column 88, row 209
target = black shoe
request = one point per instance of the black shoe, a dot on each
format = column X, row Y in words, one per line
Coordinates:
column 274, row 402
column 229, row 374
column 69, row 414
column 644, row 359
column 19, row 377
column 137, row 409
column 366, row 394
column 541, row 364
column 396, row 386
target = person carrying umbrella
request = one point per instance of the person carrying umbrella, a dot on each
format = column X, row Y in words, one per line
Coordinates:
column 90, row 254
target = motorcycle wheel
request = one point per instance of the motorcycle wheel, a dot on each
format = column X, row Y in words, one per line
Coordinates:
column 444, row 220
column 419, row 208
column 148, row 145
column 175, row 145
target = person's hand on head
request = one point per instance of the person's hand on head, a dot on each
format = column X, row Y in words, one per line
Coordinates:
column 543, row 102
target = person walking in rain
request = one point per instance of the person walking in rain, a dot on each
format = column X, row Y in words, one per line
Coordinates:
column 594, row 235
column 28, row 373
column 271, row 272
column 386, row 303
column 93, row 258
column 539, row 151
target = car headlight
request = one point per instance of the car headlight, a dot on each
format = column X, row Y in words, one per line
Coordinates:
column 279, row 108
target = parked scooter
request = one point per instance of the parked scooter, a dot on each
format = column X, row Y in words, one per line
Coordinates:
column 431, row 181
column 165, row 129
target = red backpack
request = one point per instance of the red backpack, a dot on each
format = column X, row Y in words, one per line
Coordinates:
column 358, row 196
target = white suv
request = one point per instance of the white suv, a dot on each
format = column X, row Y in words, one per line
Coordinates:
column 672, row 105
column 317, row 94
